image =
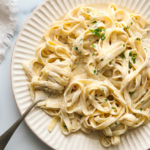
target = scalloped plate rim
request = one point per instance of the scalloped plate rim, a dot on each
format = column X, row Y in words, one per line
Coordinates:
column 11, row 64
column 11, row 69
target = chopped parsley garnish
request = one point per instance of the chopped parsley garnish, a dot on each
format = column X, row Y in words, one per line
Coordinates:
column 142, row 101
column 96, row 72
column 97, row 40
column 65, row 42
column 127, row 27
column 113, row 107
column 45, row 57
column 96, row 31
column 124, row 45
column 89, row 40
column 80, row 52
column 88, row 25
column 102, row 89
column 145, row 49
column 140, row 109
column 116, row 123
column 130, row 54
column 122, row 54
column 106, row 99
column 93, row 18
column 76, row 63
column 130, row 65
column 110, row 62
column 93, row 45
column 94, row 22
column 92, row 31
column 104, row 29
column 131, row 23
column 93, row 54
column 88, row 10
column 103, row 37
column 80, row 40
column 65, row 126
column 133, row 58
column 138, row 39
column 75, row 47
column 102, row 59
column 131, row 93
column 136, row 18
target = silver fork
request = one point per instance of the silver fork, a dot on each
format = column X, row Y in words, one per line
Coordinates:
column 5, row 137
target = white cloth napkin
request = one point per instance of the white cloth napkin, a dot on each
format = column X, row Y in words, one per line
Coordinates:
column 8, row 21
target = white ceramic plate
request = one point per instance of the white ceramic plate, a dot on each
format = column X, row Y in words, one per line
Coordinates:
column 24, row 49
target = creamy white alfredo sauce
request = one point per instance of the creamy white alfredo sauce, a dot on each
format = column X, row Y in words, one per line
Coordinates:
column 96, row 65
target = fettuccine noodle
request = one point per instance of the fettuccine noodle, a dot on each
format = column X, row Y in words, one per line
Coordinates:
column 96, row 67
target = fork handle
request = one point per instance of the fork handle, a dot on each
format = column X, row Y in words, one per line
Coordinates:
column 5, row 137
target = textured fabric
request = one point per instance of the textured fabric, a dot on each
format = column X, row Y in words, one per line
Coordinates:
column 8, row 21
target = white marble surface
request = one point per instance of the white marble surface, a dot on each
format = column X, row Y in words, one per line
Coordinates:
column 23, row 138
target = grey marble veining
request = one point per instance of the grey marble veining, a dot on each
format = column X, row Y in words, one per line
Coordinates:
column 25, row 7
column 23, row 138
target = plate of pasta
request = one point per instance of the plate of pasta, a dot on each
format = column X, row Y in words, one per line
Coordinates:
column 93, row 58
